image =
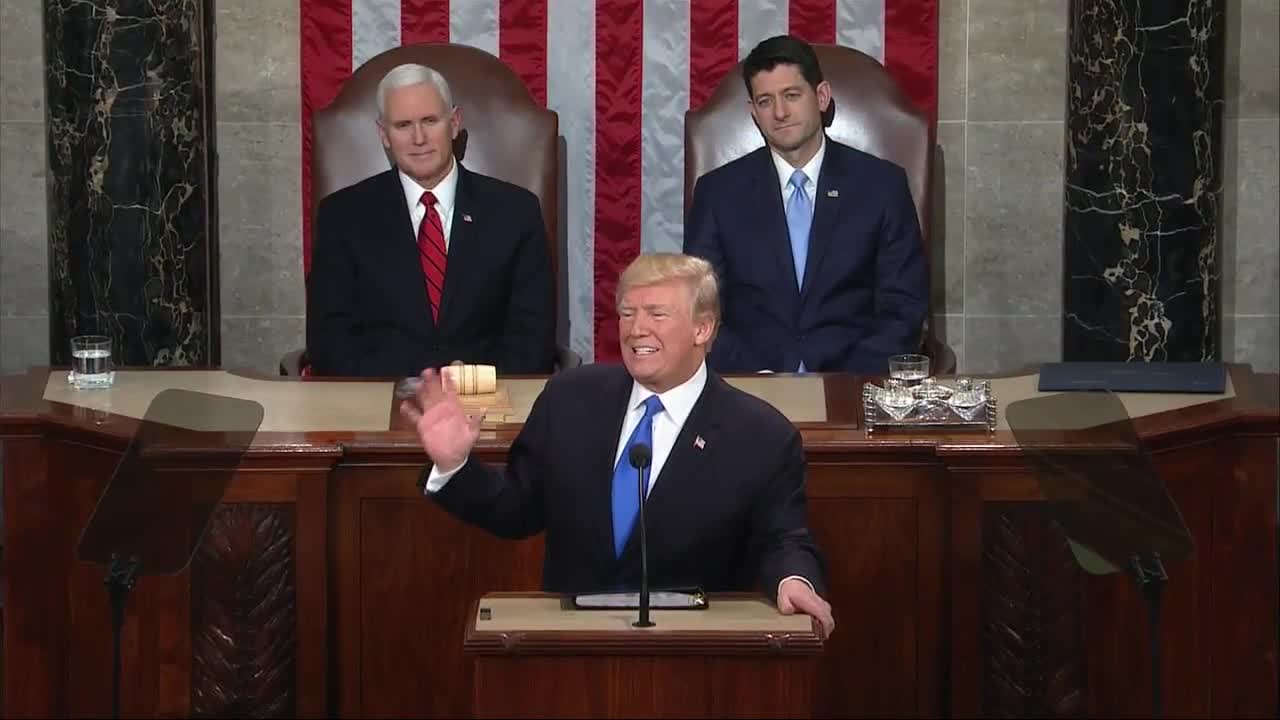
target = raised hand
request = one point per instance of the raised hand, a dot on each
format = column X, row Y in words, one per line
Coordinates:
column 446, row 431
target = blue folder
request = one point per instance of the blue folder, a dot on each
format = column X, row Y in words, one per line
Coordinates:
column 1161, row 377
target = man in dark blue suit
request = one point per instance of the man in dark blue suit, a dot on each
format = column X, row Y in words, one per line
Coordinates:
column 817, row 245
column 726, row 506
column 428, row 263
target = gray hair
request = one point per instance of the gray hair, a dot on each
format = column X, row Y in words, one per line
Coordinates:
column 411, row 74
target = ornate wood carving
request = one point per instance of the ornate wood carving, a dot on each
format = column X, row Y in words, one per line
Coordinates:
column 1033, row 616
column 243, row 603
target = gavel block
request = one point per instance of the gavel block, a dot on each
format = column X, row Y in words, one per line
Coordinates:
column 478, row 390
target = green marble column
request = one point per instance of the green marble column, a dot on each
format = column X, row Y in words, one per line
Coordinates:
column 132, row 215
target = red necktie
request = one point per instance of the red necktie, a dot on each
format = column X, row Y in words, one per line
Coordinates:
column 432, row 253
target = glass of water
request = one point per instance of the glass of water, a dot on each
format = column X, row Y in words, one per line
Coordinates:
column 910, row 369
column 91, row 362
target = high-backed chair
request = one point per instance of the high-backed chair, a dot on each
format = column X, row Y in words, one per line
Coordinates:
column 869, row 111
column 505, row 134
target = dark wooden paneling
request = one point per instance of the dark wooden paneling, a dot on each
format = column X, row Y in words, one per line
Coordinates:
column 643, row 687
column 1244, row 565
column 244, row 615
column 964, row 580
column 910, row 526
column 84, row 473
column 1118, row 639
column 870, row 666
column 247, row 616
column 35, row 589
column 311, row 518
column 406, row 574
column 882, row 531
column 1033, row 616
column 409, row 645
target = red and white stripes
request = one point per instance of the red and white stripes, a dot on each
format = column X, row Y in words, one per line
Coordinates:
column 621, row 108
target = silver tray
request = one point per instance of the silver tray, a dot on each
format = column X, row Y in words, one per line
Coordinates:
column 932, row 404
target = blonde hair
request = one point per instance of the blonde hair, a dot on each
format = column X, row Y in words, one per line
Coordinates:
column 656, row 268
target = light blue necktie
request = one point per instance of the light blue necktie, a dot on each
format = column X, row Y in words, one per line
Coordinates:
column 799, row 218
column 626, row 487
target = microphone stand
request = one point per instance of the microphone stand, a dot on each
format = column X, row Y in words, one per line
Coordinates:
column 120, row 579
column 1148, row 571
column 640, row 456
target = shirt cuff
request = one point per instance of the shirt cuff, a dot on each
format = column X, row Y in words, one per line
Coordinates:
column 437, row 479
column 801, row 578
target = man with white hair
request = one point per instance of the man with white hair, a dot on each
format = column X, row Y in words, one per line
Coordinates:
column 428, row 263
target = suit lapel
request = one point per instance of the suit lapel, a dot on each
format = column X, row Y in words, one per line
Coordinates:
column 403, row 223
column 403, row 249
column 463, row 246
column 770, row 217
column 599, row 468
column 826, row 212
column 687, row 463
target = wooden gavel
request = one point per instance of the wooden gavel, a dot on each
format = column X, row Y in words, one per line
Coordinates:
column 468, row 379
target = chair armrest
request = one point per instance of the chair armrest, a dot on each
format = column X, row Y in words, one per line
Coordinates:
column 293, row 362
column 942, row 359
column 566, row 358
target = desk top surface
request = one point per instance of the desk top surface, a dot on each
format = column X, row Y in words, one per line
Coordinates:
column 512, row 613
column 297, row 412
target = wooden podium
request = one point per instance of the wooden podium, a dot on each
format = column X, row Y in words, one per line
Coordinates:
column 535, row 656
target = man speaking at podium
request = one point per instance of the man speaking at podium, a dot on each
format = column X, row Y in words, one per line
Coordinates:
column 726, row 503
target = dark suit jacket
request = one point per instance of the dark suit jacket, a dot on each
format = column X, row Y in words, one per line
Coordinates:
column 367, row 307
column 729, row 516
column 866, row 292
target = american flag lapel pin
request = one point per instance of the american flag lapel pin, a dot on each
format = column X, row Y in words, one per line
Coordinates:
column 699, row 443
column 466, row 217
column 833, row 193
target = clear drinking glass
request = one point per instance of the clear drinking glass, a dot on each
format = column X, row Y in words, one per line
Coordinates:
column 910, row 369
column 91, row 362
column 967, row 393
column 896, row 393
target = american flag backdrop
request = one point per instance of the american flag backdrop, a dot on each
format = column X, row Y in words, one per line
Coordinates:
column 620, row 74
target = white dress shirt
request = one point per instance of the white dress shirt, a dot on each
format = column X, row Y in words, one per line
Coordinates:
column 811, row 170
column 677, row 403
column 446, row 192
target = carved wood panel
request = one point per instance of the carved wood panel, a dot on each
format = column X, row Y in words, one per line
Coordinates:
column 243, row 614
column 1033, row 616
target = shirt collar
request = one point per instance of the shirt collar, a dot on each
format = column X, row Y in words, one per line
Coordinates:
column 678, row 401
column 445, row 190
column 810, row 168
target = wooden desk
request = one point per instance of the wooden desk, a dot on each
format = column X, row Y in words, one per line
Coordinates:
column 326, row 585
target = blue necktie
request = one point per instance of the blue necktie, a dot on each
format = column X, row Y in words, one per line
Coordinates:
column 626, row 488
column 799, row 218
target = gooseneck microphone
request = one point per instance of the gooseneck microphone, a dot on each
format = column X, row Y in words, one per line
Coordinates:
column 640, row 457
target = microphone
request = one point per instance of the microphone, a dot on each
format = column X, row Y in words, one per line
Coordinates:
column 640, row 456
